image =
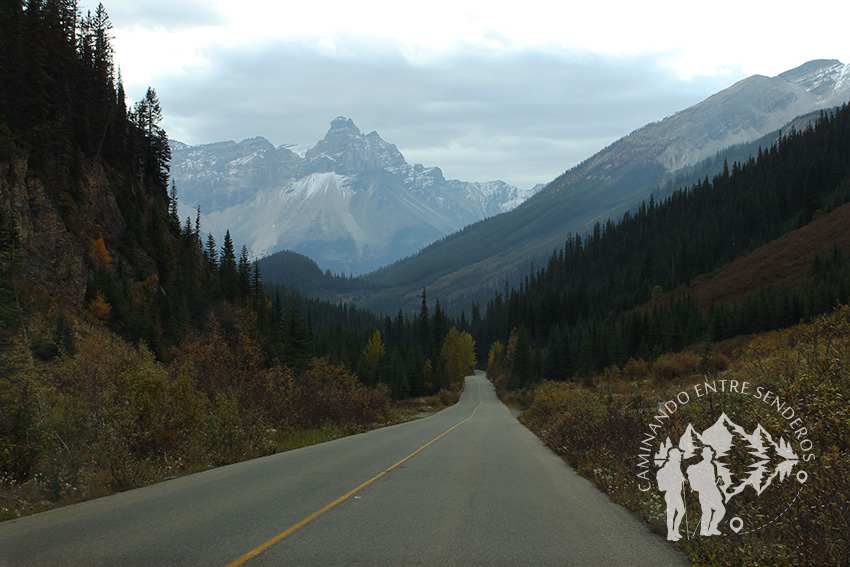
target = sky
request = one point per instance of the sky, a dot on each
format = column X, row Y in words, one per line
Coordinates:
column 518, row 91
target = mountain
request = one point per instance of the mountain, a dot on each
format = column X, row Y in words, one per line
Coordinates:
column 690, row 442
column 655, row 158
column 352, row 202
column 746, row 111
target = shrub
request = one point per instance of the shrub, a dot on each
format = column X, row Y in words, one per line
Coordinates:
column 719, row 362
column 636, row 369
column 121, row 407
column 678, row 365
column 330, row 394
column 282, row 398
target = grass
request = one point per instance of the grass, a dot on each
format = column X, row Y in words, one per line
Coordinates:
column 289, row 440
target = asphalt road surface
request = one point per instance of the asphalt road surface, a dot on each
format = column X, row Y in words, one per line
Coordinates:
column 466, row 486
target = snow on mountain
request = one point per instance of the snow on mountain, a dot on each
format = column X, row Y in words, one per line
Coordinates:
column 747, row 110
column 351, row 202
column 617, row 179
column 626, row 171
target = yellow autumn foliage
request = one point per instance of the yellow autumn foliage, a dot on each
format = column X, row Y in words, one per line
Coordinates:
column 99, row 307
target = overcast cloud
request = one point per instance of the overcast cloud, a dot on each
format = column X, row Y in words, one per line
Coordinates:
column 485, row 104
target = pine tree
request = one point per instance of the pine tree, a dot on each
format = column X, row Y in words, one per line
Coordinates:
column 244, row 273
column 257, row 283
column 422, row 326
column 63, row 336
column 297, row 337
column 173, row 213
column 522, row 365
column 155, row 153
column 227, row 271
column 211, row 252
column 811, row 196
column 439, row 327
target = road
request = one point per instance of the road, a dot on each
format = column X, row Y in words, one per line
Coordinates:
column 466, row 486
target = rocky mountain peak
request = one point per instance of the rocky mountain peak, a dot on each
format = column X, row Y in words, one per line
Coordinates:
column 346, row 151
column 820, row 77
column 341, row 123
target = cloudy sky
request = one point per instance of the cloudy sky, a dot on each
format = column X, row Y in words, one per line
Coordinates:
column 518, row 91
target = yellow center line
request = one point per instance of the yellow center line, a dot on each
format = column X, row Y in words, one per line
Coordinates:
column 253, row 553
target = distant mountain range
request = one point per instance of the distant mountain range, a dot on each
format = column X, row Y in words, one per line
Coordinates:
column 656, row 158
column 746, row 111
column 351, row 202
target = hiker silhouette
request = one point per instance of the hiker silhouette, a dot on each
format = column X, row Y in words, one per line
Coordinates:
column 703, row 479
column 671, row 481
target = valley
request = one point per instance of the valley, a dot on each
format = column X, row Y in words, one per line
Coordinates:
column 175, row 319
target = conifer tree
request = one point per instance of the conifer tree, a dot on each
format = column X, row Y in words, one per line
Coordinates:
column 256, row 283
column 211, row 252
column 227, row 271
column 439, row 327
column 423, row 326
column 244, row 273
column 155, row 153
column 522, row 364
column 173, row 214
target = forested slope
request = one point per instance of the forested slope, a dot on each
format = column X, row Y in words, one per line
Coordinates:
column 577, row 310
column 131, row 348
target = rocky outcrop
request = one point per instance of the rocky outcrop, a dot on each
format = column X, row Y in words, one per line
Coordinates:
column 54, row 257
column 346, row 151
column 57, row 228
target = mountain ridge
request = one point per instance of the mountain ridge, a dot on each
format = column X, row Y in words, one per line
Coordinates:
column 351, row 202
column 695, row 133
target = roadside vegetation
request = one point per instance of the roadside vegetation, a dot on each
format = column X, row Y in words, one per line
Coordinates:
column 110, row 417
column 598, row 423
column 107, row 416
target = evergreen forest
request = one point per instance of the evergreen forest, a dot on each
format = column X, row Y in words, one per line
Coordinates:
column 591, row 305
column 135, row 347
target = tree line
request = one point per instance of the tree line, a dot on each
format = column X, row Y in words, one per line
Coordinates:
column 61, row 100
